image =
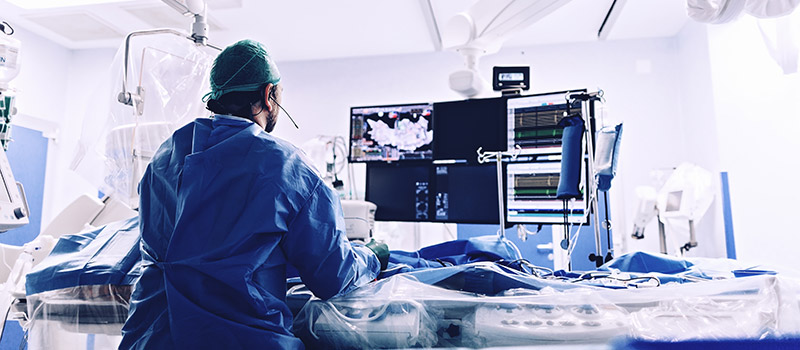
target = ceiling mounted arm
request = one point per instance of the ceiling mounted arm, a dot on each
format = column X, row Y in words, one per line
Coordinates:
column 199, row 36
column 489, row 23
column 483, row 29
column 196, row 9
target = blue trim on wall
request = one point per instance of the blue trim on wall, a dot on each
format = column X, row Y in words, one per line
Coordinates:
column 730, row 243
column 28, row 157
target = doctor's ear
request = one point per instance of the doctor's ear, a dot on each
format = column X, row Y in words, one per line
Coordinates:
column 267, row 91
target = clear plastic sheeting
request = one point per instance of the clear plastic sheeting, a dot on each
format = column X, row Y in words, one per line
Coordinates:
column 400, row 312
column 73, row 318
column 170, row 75
column 378, row 315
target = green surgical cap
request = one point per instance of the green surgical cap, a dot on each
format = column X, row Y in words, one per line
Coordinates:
column 243, row 66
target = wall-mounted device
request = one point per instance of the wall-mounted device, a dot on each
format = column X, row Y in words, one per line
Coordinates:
column 511, row 80
column 13, row 205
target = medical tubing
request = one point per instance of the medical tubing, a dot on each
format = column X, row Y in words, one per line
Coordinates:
column 592, row 275
column 533, row 267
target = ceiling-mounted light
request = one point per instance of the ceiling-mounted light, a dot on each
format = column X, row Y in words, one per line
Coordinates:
column 49, row 4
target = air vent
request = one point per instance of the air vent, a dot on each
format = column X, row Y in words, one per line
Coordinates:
column 76, row 27
column 166, row 17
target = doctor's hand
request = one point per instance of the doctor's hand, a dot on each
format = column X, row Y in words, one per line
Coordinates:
column 381, row 250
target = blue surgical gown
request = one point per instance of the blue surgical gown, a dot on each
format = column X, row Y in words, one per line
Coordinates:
column 224, row 208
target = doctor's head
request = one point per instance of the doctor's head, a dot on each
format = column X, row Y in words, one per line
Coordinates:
column 245, row 83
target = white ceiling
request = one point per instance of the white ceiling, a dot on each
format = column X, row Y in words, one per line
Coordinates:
column 320, row 29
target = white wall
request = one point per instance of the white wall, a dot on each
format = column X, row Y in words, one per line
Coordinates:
column 699, row 133
column 42, row 80
column 757, row 109
column 55, row 87
column 642, row 80
column 652, row 85
column 87, row 71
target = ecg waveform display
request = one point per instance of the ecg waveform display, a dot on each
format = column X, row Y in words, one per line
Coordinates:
column 535, row 186
column 533, row 122
column 531, row 195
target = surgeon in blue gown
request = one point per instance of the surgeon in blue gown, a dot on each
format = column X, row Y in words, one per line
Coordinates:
column 225, row 206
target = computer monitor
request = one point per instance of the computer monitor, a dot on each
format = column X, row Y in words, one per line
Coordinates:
column 531, row 195
column 464, row 126
column 466, row 194
column 400, row 190
column 391, row 133
column 533, row 122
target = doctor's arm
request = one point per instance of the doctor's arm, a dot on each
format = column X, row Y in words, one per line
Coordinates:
column 317, row 246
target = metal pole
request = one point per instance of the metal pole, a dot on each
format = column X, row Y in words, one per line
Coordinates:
column 662, row 236
column 125, row 96
column 500, row 197
column 591, row 186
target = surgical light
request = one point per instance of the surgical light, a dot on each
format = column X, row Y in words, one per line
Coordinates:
column 48, row 4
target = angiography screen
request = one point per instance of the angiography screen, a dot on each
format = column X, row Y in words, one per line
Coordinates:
column 466, row 193
column 533, row 122
column 391, row 133
column 531, row 195
column 401, row 191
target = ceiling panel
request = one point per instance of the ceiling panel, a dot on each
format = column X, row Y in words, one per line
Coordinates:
column 577, row 21
column 76, row 26
column 299, row 30
column 166, row 17
column 649, row 19
column 224, row 4
column 310, row 30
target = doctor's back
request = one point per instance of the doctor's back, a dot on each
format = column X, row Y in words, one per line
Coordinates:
column 224, row 207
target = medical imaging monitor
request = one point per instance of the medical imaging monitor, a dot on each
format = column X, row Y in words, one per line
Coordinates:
column 465, row 193
column 391, row 133
column 400, row 190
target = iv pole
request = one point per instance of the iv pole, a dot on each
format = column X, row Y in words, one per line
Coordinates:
column 591, row 185
column 485, row 157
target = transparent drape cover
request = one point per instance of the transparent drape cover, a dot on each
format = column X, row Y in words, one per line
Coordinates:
column 61, row 319
column 401, row 312
column 173, row 75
